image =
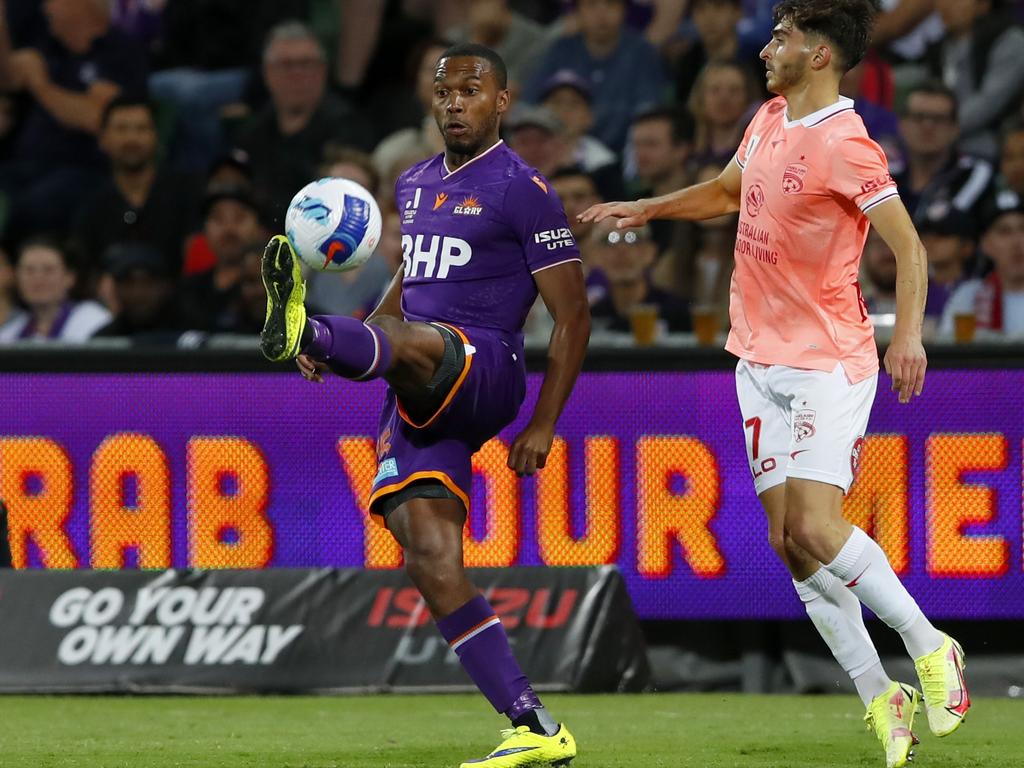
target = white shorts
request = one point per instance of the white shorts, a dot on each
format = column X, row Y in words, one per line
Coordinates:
column 802, row 423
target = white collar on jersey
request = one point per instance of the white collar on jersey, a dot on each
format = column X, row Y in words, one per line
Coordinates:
column 448, row 173
column 811, row 120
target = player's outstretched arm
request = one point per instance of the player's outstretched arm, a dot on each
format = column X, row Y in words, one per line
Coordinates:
column 565, row 295
column 905, row 359
column 701, row 201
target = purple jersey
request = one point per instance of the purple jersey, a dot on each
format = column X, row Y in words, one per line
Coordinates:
column 473, row 238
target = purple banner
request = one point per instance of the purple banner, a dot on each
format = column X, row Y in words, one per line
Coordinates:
column 650, row 473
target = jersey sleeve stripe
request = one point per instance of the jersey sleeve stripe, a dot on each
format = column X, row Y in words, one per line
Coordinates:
column 739, row 162
column 549, row 266
column 881, row 197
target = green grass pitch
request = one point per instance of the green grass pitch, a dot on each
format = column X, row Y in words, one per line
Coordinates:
column 705, row 730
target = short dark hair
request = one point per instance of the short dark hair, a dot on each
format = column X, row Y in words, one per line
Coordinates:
column 50, row 243
column 477, row 51
column 933, row 88
column 845, row 23
column 573, row 171
column 125, row 101
column 680, row 122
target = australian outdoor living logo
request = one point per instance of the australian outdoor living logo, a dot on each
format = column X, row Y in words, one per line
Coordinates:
column 206, row 625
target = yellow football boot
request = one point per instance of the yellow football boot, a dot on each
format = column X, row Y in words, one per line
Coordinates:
column 521, row 746
column 891, row 716
column 945, row 690
column 286, row 294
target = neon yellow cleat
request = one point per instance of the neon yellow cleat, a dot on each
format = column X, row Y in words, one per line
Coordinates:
column 520, row 746
column 286, row 292
column 945, row 689
column 891, row 716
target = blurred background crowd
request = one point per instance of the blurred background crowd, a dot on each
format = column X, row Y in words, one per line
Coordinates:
column 149, row 147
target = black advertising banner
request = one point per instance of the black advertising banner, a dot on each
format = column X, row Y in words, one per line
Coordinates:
column 296, row 630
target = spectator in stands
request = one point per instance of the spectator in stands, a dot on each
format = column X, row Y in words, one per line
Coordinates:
column 717, row 40
column 521, row 42
column 148, row 311
column 713, row 260
column 537, row 136
column 662, row 141
column 935, row 174
column 140, row 202
column 568, row 96
column 721, row 104
column 70, row 76
column 906, row 28
column 9, row 310
column 248, row 309
column 997, row 300
column 623, row 69
column 45, row 276
column 425, row 139
column 878, row 284
column 355, row 292
column 578, row 190
column 626, row 257
column 1011, row 163
column 232, row 222
column 285, row 141
column 980, row 60
column 949, row 240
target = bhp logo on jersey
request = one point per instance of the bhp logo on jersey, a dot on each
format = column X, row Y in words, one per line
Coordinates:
column 434, row 255
column 754, row 200
column 554, row 239
column 793, row 178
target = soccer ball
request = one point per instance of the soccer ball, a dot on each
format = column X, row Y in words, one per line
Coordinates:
column 333, row 224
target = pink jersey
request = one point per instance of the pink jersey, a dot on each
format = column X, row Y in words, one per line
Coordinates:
column 807, row 184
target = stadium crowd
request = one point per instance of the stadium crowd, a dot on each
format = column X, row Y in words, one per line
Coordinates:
column 149, row 147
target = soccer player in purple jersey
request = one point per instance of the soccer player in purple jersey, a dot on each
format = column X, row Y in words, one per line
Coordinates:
column 482, row 234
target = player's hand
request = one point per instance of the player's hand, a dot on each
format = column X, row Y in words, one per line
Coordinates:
column 529, row 451
column 905, row 361
column 311, row 369
column 630, row 214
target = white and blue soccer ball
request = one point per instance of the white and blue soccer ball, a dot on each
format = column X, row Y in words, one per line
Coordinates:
column 333, row 224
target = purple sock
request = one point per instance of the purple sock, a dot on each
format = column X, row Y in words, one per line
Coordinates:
column 350, row 347
column 476, row 635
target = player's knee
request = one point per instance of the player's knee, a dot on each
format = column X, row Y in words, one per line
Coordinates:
column 777, row 540
column 433, row 572
column 804, row 530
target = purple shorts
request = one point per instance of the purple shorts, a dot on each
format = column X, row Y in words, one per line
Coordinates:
column 484, row 399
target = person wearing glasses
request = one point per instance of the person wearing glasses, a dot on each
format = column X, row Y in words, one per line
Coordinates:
column 935, row 174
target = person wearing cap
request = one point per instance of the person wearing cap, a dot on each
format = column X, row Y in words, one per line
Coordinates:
column 625, row 256
column 538, row 136
column 147, row 309
column 231, row 221
column 623, row 69
column 568, row 96
column 140, row 201
column 997, row 300
column 948, row 235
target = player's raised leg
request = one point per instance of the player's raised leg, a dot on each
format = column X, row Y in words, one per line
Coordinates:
column 408, row 354
column 430, row 532
column 814, row 517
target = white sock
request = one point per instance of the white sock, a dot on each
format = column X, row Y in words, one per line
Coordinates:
column 837, row 615
column 872, row 684
column 862, row 566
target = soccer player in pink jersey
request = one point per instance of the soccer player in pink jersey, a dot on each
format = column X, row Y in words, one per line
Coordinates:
column 808, row 182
